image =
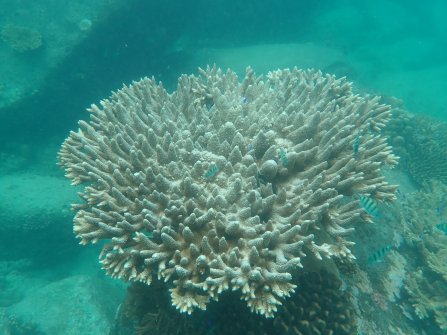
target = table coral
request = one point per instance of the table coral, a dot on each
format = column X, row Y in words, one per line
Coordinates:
column 227, row 184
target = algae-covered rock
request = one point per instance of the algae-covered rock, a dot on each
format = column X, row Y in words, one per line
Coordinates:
column 35, row 218
column 21, row 38
column 33, row 202
column 72, row 306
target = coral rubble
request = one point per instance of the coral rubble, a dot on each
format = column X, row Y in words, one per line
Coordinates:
column 226, row 184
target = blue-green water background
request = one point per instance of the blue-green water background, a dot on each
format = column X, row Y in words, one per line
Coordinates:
column 397, row 49
column 391, row 48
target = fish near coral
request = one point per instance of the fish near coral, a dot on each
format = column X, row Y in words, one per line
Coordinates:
column 440, row 209
column 379, row 255
column 370, row 206
column 283, row 157
column 142, row 159
column 212, row 171
column 442, row 227
column 250, row 149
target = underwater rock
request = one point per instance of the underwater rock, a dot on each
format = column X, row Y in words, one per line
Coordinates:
column 71, row 306
column 33, row 202
column 21, row 39
column 34, row 215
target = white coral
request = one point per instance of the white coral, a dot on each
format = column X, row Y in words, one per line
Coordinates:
column 225, row 184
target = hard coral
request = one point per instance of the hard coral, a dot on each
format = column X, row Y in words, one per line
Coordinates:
column 20, row 38
column 320, row 307
column 421, row 143
column 426, row 286
column 225, row 184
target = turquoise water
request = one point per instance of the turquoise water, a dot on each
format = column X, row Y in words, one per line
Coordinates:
column 57, row 60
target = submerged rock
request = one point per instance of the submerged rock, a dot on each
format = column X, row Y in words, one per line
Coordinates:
column 71, row 306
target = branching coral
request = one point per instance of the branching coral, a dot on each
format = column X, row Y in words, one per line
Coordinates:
column 427, row 287
column 427, row 296
column 146, row 311
column 393, row 280
column 319, row 307
column 225, row 184
column 421, row 143
column 423, row 210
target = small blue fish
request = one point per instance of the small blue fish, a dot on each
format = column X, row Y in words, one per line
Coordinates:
column 369, row 205
column 211, row 327
column 283, row 157
column 244, row 100
column 355, row 146
column 212, row 171
column 421, row 236
column 250, row 148
column 440, row 209
column 379, row 255
column 442, row 227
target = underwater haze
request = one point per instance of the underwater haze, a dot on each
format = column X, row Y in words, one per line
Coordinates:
column 58, row 59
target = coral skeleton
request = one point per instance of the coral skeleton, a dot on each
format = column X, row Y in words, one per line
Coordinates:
column 227, row 184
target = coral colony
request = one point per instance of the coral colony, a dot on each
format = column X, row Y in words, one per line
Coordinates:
column 228, row 184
